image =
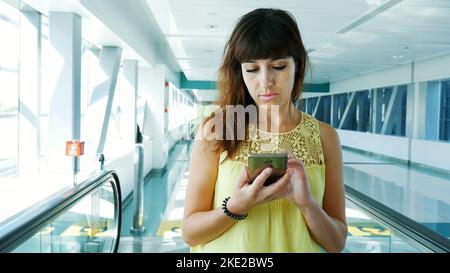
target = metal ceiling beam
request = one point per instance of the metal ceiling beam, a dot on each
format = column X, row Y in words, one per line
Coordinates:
column 393, row 109
column 349, row 110
column 366, row 17
column 316, row 108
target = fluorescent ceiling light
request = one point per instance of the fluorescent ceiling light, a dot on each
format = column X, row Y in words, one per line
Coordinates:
column 370, row 15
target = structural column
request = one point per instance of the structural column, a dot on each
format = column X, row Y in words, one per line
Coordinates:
column 30, row 92
column 152, row 83
column 99, row 109
column 326, row 109
column 362, row 111
column 334, row 110
column 128, row 96
column 419, row 114
column 376, row 108
column 410, row 94
column 433, row 109
column 64, row 112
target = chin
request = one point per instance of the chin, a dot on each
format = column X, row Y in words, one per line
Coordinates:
column 269, row 103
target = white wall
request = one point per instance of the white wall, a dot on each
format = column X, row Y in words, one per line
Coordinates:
column 306, row 95
column 176, row 134
column 431, row 153
column 394, row 76
column 148, row 155
column 124, row 167
column 173, row 77
column 432, row 69
column 393, row 146
column 426, row 70
column 151, row 87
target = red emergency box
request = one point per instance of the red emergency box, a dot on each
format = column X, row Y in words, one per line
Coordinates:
column 74, row 148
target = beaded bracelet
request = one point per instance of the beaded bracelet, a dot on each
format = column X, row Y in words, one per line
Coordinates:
column 229, row 213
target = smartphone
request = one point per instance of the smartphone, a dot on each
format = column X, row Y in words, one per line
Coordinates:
column 258, row 162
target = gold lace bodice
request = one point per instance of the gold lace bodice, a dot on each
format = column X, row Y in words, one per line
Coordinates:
column 303, row 141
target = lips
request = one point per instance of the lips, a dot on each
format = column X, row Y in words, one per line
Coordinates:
column 267, row 97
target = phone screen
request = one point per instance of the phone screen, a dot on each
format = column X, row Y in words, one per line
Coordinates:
column 258, row 162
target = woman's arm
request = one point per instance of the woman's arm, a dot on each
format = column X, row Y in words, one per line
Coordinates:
column 201, row 223
column 327, row 225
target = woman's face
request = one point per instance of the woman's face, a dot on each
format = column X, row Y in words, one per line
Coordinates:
column 269, row 81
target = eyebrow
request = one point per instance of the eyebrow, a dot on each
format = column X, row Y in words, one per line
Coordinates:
column 277, row 59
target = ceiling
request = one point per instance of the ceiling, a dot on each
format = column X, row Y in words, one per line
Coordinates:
column 346, row 38
column 126, row 24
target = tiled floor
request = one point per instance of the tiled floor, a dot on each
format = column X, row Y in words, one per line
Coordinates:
column 163, row 208
column 158, row 189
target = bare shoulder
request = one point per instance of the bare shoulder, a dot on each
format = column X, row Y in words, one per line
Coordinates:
column 330, row 140
column 327, row 133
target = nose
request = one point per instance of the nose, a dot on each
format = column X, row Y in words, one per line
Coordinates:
column 266, row 78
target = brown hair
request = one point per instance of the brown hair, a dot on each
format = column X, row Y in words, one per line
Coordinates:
column 259, row 34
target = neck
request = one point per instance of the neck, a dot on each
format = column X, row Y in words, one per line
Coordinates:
column 278, row 118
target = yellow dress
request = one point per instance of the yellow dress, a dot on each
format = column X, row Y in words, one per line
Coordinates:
column 277, row 226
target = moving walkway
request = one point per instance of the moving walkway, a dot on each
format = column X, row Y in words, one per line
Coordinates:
column 87, row 218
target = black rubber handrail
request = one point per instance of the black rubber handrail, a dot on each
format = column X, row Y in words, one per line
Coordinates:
column 21, row 227
column 405, row 226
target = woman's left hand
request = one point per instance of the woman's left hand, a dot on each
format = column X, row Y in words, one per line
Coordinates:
column 298, row 190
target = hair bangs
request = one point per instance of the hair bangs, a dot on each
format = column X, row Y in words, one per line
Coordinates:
column 263, row 42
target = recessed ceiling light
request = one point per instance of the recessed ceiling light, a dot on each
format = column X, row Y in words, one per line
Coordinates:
column 397, row 56
column 374, row 2
column 211, row 26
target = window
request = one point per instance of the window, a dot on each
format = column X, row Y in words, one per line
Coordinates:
column 9, row 92
column 444, row 130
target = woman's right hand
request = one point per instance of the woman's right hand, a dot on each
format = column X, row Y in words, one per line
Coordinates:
column 245, row 195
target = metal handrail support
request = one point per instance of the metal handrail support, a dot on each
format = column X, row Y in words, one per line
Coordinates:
column 138, row 193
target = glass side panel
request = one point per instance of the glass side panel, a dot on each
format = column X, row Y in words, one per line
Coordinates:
column 417, row 192
column 87, row 227
column 365, row 235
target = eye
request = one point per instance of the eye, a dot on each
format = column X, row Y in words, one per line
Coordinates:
column 279, row 67
column 250, row 70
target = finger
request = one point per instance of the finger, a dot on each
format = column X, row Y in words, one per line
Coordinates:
column 282, row 183
column 298, row 167
column 243, row 178
column 291, row 155
column 261, row 179
column 293, row 162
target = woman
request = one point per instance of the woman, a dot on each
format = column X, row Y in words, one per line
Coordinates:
column 264, row 67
